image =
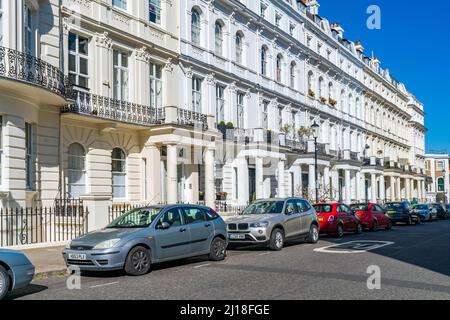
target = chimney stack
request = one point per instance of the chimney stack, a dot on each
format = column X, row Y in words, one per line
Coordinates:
column 337, row 27
column 313, row 6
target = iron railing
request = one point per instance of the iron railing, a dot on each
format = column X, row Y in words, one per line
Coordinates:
column 111, row 109
column 192, row 118
column 23, row 226
column 24, row 67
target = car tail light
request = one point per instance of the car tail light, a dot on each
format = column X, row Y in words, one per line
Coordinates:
column 330, row 218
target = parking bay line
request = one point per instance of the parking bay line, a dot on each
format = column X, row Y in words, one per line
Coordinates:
column 104, row 285
column 354, row 246
column 202, row 265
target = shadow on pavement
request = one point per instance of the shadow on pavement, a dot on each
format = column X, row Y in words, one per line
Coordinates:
column 31, row 289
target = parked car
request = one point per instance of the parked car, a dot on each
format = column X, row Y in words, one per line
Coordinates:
column 272, row 221
column 426, row 212
column 442, row 212
column 154, row 234
column 401, row 212
column 337, row 219
column 371, row 216
column 16, row 271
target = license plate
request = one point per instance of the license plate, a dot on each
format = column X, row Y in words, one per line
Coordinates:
column 236, row 236
column 77, row 256
column 392, row 212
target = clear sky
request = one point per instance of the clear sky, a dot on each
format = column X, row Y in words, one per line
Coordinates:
column 414, row 43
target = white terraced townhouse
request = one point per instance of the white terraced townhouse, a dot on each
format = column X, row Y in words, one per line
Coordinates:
column 196, row 101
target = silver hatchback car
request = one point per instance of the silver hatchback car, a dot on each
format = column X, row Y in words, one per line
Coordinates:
column 150, row 235
column 272, row 221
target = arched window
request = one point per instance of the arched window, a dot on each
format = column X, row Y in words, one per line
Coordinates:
column 330, row 91
column 440, row 184
column 292, row 74
column 342, row 103
column 358, row 108
column 279, row 68
column 310, row 81
column 349, row 104
column 218, row 39
column 119, row 174
column 264, row 61
column 195, row 27
column 239, row 47
column 76, row 170
column 321, row 88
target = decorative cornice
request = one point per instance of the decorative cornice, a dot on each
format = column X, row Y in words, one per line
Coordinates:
column 102, row 39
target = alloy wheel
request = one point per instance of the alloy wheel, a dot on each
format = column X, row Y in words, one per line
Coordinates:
column 140, row 261
column 219, row 248
column 279, row 240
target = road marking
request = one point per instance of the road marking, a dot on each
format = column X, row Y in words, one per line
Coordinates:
column 264, row 254
column 104, row 285
column 202, row 265
column 354, row 246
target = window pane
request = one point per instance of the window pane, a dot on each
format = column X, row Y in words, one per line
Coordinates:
column 72, row 42
column 83, row 45
column 83, row 66
column 72, row 63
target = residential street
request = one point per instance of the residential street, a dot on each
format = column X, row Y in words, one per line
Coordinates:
column 414, row 267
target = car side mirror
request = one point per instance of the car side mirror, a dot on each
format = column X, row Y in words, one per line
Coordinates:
column 163, row 226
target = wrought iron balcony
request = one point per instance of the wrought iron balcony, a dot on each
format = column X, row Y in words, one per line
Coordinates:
column 192, row 118
column 20, row 66
column 111, row 109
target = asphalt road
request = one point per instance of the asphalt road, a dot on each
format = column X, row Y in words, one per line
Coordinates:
column 415, row 266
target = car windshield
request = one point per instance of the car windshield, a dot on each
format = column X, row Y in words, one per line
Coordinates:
column 421, row 207
column 323, row 208
column 137, row 218
column 359, row 207
column 394, row 205
column 262, row 207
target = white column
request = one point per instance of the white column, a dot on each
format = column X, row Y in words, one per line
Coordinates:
column 408, row 189
column 297, row 170
column 259, row 177
column 209, row 178
column 373, row 187
column 399, row 189
column 326, row 177
column 312, row 183
column 392, row 188
column 172, row 179
column 382, row 189
column 348, row 198
column 358, row 186
column 335, row 184
column 242, row 170
column 281, row 191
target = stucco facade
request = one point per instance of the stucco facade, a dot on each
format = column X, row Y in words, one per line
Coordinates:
column 197, row 101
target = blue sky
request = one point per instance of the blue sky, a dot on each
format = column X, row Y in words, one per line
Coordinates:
column 414, row 43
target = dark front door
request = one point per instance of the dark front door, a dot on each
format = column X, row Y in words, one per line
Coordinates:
column 252, row 184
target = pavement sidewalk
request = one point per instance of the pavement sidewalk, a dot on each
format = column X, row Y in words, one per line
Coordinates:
column 46, row 260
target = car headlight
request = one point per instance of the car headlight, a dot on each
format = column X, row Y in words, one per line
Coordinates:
column 263, row 224
column 107, row 244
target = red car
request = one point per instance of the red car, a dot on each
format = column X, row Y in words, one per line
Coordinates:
column 337, row 219
column 372, row 216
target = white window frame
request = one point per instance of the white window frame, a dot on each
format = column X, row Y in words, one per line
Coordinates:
column 120, row 88
column 120, row 4
column 440, row 166
column 72, row 170
column 196, row 29
column 220, row 103
column 29, row 44
column 197, row 84
column 118, row 174
column 218, row 39
column 78, row 56
column 443, row 184
column 240, row 107
column 265, row 115
column 292, row 74
column 264, row 61
column 154, row 7
column 239, row 48
column 155, row 84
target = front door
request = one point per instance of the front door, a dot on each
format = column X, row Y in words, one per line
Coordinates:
column 201, row 229
column 174, row 242
column 251, row 184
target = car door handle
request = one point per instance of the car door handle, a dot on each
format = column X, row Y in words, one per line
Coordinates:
column 183, row 230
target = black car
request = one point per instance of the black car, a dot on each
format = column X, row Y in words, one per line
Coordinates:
column 442, row 212
column 402, row 212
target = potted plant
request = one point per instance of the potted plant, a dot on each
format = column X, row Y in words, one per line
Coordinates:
column 222, row 128
column 323, row 100
column 311, row 93
column 332, row 102
column 230, row 125
column 221, row 196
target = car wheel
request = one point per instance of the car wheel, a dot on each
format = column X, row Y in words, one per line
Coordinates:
column 339, row 230
column 374, row 226
column 4, row 282
column 389, row 225
column 359, row 228
column 313, row 236
column 218, row 250
column 276, row 240
column 138, row 261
